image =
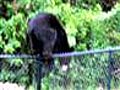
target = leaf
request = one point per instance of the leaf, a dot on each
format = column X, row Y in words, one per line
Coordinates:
column 71, row 40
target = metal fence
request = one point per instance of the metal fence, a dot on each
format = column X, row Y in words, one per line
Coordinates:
column 88, row 70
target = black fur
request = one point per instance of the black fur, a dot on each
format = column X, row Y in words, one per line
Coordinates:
column 47, row 36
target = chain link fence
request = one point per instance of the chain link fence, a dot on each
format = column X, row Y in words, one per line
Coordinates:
column 87, row 70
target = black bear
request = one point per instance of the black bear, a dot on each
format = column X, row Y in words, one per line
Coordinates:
column 47, row 36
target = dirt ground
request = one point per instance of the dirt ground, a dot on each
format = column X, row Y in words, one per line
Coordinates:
column 10, row 86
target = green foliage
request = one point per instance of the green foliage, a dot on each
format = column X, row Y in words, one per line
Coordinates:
column 87, row 3
column 12, row 32
column 83, row 73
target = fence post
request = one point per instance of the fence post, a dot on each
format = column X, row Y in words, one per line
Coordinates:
column 110, row 68
column 38, row 76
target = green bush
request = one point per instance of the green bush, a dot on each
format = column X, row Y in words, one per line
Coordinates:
column 12, row 32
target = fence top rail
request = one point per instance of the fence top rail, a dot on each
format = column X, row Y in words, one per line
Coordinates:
column 68, row 54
